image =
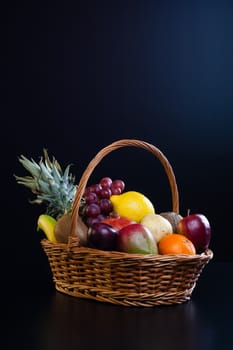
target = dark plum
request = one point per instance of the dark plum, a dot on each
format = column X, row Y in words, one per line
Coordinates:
column 102, row 236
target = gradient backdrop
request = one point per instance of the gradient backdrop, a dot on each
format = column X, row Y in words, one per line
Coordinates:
column 77, row 77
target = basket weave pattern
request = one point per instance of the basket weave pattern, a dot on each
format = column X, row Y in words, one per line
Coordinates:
column 122, row 278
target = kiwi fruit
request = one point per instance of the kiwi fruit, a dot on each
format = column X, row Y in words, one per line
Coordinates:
column 63, row 227
column 173, row 218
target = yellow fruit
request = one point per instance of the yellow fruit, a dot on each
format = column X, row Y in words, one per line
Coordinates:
column 157, row 224
column 132, row 204
column 47, row 224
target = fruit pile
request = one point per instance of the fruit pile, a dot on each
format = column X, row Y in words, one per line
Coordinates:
column 131, row 225
column 110, row 218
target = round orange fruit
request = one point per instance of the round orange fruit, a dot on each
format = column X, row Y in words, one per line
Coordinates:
column 175, row 243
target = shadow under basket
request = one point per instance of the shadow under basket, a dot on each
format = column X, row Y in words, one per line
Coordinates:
column 123, row 278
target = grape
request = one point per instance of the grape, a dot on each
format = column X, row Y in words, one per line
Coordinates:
column 119, row 183
column 105, row 193
column 96, row 188
column 92, row 210
column 91, row 221
column 101, row 217
column 105, row 206
column 97, row 199
column 87, row 191
column 91, row 197
column 116, row 190
column 106, row 182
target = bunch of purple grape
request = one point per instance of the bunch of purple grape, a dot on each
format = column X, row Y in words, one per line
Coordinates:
column 97, row 199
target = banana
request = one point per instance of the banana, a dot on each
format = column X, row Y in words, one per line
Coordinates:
column 47, row 223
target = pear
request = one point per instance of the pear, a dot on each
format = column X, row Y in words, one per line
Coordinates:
column 157, row 224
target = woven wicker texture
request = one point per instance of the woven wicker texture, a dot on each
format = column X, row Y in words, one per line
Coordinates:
column 121, row 278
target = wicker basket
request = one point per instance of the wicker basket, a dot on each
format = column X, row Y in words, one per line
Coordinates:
column 122, row 278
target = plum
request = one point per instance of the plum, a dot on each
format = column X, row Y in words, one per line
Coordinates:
column 102, row 236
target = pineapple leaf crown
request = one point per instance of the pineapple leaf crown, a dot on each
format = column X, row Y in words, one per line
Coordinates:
column 51, row 186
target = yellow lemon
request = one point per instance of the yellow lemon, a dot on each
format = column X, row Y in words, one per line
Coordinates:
column 132, row 204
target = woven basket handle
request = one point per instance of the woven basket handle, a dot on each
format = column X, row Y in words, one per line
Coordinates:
column 105, row 151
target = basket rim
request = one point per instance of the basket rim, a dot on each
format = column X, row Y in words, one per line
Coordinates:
column 207, row 254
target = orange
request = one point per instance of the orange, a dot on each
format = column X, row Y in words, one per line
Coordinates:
column 175, row 243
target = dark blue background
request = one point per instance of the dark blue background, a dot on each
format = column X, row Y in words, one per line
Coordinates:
column 77, row 77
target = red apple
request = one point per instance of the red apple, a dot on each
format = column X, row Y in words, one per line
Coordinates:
column 196, row 227
column 118, row 222
column 136, row 238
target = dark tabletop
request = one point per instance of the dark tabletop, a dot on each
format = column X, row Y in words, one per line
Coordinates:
column 35, row 316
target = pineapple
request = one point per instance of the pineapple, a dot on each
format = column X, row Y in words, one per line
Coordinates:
column 52, row 187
